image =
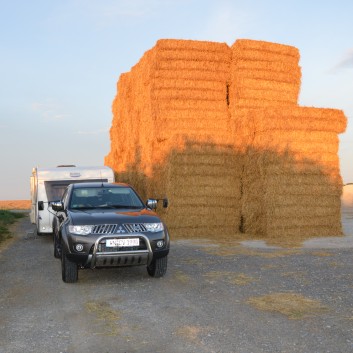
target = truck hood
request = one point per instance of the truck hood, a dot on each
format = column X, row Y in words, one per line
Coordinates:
column 111, row 216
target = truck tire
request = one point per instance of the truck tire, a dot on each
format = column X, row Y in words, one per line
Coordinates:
column 158, row 267
column 57, row 247
column 69, row 269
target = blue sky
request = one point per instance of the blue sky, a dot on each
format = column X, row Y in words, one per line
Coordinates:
column 60, row 62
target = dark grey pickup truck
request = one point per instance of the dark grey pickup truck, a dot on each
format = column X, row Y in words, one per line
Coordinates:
column 108, row 225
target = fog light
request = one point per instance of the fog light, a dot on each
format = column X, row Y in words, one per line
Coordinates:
column 160, row 243
column 79, row 247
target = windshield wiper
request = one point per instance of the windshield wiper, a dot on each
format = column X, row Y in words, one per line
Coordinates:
column 126, row 206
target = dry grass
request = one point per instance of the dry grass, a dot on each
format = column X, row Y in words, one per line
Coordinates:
column 292, row 305
column 106, row 315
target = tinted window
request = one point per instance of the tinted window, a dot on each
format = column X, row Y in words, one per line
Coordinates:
column 104, row 197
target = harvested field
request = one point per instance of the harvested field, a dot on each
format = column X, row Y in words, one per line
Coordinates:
column 15, row 204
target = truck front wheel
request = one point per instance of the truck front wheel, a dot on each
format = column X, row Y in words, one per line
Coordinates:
column 57, row 248
column 158, row 267
column 69, row 269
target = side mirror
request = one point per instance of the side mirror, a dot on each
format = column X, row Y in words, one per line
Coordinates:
column 152, row 204
column 165, row 203
column 57, row 206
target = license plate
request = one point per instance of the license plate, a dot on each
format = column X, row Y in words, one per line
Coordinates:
column 122, row 242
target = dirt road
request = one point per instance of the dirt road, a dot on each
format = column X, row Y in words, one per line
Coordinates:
column 214, row 298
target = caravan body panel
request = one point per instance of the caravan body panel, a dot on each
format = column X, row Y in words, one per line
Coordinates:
column 49, row 184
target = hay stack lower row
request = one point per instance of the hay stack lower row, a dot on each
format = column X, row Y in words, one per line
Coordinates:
column 291, row 181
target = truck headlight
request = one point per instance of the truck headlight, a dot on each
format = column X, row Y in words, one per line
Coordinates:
column 80, row 230
column 154, row 227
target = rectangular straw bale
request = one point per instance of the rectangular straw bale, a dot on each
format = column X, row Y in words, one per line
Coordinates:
column 259, row 74
column 304, row 221
column 260, row 84
column 188, row 93
column 192, row 65
column 182, row 83
column 194, row 55
column 327, row 201
column 286, row 97
column 274, row 136
column 188, row 104
column 182, row 44
column 192, row 114
column 299, row 211
column 296, row 146
column 196, row 201
column 283, row 49
column 198, row 221
column 204, row 231
column 307, row 231
column 270, row 187
column 295, row 118
column 199, row 124
column 194, row 74
column 257, row 55
column 265, row 51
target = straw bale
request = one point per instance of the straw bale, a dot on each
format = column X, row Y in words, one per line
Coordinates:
column 196, row 104
column 196, row 201
column 182, row 83
column 194, row 55
column 181, row 44
column 260, row 103
column 285, row 97
column 299, row 211
column 187, row 74
column 249, row 44
column 294, row 118
column 195, row 220
column 296, row 146
column 190, row 94
column 292, row 188
column 204, row 231
column 272, row 85
column 200, row 65
column 190, row 115
column 307, row 231
column 293, row 221
column 306, row 200
column 293, row 78
column 199, row 123
column 258, row 55
column 274, row 136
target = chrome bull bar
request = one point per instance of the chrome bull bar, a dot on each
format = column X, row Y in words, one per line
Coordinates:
column 120, row 258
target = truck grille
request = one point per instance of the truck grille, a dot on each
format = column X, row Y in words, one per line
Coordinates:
column 118, row 229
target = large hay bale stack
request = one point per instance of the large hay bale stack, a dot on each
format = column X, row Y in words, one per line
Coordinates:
column 218, row 130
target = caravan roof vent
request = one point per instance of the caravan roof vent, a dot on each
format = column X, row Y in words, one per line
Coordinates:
column 65, row 165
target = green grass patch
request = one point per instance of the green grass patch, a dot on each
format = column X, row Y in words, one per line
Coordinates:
column 6, row 219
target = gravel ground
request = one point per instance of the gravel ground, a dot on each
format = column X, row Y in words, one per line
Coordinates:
column 205, row 303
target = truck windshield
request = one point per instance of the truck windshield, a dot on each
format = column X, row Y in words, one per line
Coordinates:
column 105, row 197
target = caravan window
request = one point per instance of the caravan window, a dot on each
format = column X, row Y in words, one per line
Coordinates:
column 55, row 189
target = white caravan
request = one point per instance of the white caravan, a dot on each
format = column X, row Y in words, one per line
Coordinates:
column 48, row 184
